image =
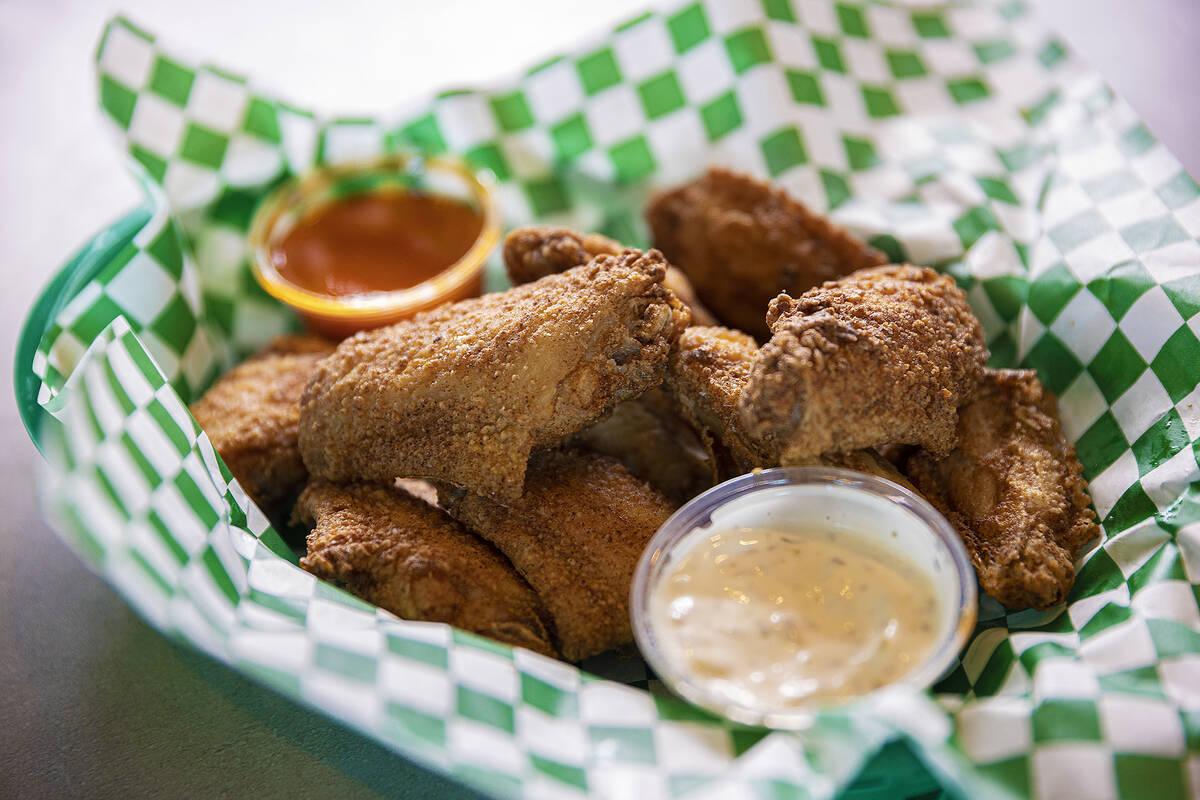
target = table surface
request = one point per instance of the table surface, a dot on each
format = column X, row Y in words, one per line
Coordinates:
column 94, row 702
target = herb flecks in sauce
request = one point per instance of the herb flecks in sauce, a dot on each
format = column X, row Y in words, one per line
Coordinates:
column 774, row 620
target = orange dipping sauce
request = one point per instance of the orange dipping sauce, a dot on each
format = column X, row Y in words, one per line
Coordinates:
column 376, row 242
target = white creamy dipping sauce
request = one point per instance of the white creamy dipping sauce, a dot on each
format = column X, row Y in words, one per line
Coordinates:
column 780, row 619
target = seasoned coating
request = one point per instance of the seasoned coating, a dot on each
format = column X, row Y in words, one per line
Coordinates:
column 709, row 368
column 1014, row 489
column 463, row 393
column 541, row 250
column 405, row 556
column 741, row 243
column 251, row 416
column 647, row 436
column 576, row 536
column 885, row 356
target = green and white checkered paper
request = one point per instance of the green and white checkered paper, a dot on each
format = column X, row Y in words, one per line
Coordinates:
column 956, row 135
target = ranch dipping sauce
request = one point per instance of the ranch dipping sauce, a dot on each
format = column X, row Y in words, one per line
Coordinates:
column 777, row 619
column 786, row 591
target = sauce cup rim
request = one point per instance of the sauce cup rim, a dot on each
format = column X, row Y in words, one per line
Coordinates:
column 697, row 512
column 295, row 190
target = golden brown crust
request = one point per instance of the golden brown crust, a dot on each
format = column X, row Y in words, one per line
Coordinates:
column 741, row 243
column 541, row 250
column 1015, row 490
column 403, row 555
column 462, row 394
column 885, row 356
column 251, row 416
column 709, row 368
column 647, row 436
column 576, row 536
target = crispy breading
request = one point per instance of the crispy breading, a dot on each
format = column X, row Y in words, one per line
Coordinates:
column 1014, row 489
column 541, row 250
column 403, row 555
column 463, row 393
column 648, row 437
column 251, row 415
column 709, row 368
column 884, row 356
column 741, row 243
column 575, row 535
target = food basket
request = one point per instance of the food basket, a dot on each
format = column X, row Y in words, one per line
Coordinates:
column 956, row 135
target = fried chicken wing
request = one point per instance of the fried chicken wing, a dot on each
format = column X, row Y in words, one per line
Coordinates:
column 535, row 252
column 405, row 556
column 644, row 433
column 709, row 368
column 741, row 243
column 652, row 442
column 575, row 535
column 251, row 416
column 1014, row 489
column 884, row 356
column 462, row 394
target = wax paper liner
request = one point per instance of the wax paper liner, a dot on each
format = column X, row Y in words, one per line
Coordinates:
column 955, row 135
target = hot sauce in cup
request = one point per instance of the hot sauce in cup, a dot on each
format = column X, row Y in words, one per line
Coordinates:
column 357, row 246
column 376, row 242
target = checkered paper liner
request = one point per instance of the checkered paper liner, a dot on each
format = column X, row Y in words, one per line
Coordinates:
column 956, row 135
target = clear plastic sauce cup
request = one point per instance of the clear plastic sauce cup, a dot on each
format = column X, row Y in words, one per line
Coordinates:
column 857, row 510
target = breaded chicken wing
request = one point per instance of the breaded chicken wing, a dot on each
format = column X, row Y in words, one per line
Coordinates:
column 1014, row 489
column 535, row 252
column 575, row 535
column 884, row 356
column 405, row 556
column 648, row 437
column 462, row 394
column 251, row 416
column 709, row 368
column 741, row 243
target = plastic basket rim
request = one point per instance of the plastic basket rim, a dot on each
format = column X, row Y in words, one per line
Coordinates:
column 66, row 282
